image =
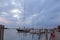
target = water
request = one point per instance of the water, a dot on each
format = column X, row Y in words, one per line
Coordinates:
column 11, row 34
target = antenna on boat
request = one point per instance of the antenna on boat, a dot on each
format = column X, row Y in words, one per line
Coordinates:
column 24, row 17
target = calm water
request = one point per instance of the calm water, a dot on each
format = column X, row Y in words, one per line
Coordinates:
column 11, row 34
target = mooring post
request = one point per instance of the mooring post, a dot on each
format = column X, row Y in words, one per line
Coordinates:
column 1, row 32
column 39, row 37
column 46, row 34
column 39, row 34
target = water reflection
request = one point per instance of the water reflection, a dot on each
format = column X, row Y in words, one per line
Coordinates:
column 14, row 35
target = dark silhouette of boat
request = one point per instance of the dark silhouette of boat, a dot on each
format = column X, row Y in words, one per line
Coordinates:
column 23, row 30
column 5, row 28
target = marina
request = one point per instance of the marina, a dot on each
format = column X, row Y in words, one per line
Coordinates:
column 29, row 19
column 24, row 31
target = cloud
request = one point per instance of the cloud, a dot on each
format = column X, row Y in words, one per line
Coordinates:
column 47, row 11
column 4, row 20
column 3, row 14
column 34, row 12
column 16, row 11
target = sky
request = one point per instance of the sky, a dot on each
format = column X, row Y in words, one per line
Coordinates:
column 30, row 13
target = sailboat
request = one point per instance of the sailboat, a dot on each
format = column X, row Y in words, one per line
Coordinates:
column 23, row 30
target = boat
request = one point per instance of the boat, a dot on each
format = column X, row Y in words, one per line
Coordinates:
column 23, row 30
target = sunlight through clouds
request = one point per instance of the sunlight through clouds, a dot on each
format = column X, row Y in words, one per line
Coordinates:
column 16, row 11
column 13, row 2
column 11, row 10
column 16, row 16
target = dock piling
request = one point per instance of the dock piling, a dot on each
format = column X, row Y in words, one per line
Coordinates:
column 46, row 34
column 1, row 32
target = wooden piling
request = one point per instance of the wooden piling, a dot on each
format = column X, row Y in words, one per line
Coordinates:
column 46, row 34
column 1, row 32
column 39, row 34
